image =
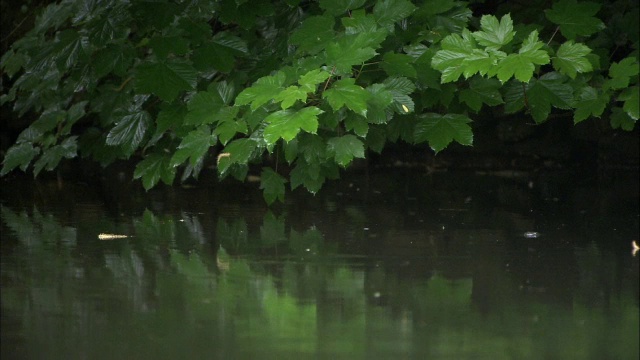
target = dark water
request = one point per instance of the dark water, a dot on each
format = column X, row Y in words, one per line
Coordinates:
column 399, row 265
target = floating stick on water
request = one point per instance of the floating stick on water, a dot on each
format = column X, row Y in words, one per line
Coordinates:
column 111, row 236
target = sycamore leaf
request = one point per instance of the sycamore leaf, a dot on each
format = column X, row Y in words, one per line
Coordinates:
column 440, row 130
column 212, row 56
column 194, row 146
column 481, row 91
column 357, row 123
column 228, row 128
column 522, row 64
column 203, row 108
column 286, row 124
column 164, row 45
column 18, row 155
column 621, row 120
column 495, row 33
column 310, row 80
column 290, row 95
column 306, row 174
column 575, row 19
column 165, row 79
column 113, row 57
column 129, row 131
column 51, row 157
column 620, row 73
column 400, row 89
column 262, row 91
column 631, row 98
column 378, row 103
column 398, row 64
column 352, row 50
column 450, row 59
column 345, row 93
column 153, row 168
column 571, row 59
column 388, row 12
column 314, row 33
column 272, row 185
column 548, row 91
column 344, row 148
column 589, row 103
column 238, row 151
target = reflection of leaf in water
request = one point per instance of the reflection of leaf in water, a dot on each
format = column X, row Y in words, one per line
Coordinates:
column 153, row 229
column 272, row 230
column 38, row 229
column 232, row 236
column 307, row 243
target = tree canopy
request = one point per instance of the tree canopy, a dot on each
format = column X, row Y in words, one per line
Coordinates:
column 318, row 84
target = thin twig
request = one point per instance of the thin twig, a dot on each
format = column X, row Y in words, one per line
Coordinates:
column 554, row 34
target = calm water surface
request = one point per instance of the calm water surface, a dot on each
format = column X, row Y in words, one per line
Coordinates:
column 400, row 265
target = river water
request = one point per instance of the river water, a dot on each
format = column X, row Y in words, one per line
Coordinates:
column 393, row 265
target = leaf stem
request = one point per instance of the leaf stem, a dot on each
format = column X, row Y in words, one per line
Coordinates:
column 553, row 35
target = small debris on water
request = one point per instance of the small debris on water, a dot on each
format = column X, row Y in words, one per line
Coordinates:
column 111, row 236
column 531, row 234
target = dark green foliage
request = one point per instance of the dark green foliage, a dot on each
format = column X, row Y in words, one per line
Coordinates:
column 171, row 83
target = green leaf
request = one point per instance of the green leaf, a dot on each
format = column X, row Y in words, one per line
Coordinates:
column 153, row 168
column 203, row 108
column 272, row 185
column 378, row 103
column 450, row 60
column 357, row 123
column 51, row 157
column 621, row 73
column 388, row 12
column 290, row 95
column 309, row 175
column 18, row 155
column 344, row 148
column 313, row 34
column 262, row 91
column 345, row 93
column 211, row 56
column 571, row 59
column 589, row 103
column 522, row 64
column 548, row 91
column 286, row 124
column 575, row 19
column 440, row 130
column 239, row 152
column 310, row 80
column 129, row 131
column 339, row 7
column 398, row 64
column 481, row 91
column 631, row 98
column 194, row 146
column 621, row 120
column 400, row 89
column 495, row 34
column 228, row 128
column 165, row 79
column 350, row 50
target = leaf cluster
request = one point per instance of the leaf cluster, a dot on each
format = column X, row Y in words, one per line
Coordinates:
column 313, row 84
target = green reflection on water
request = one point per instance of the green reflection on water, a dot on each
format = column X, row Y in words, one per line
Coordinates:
column 172, row 289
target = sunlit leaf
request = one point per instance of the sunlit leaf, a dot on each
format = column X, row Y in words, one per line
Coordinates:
column 262, row 91
column 388, row 12
column 571, row 59
column 495, row 33
column 345, row 93
column 522, row 64
column 286, row 124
